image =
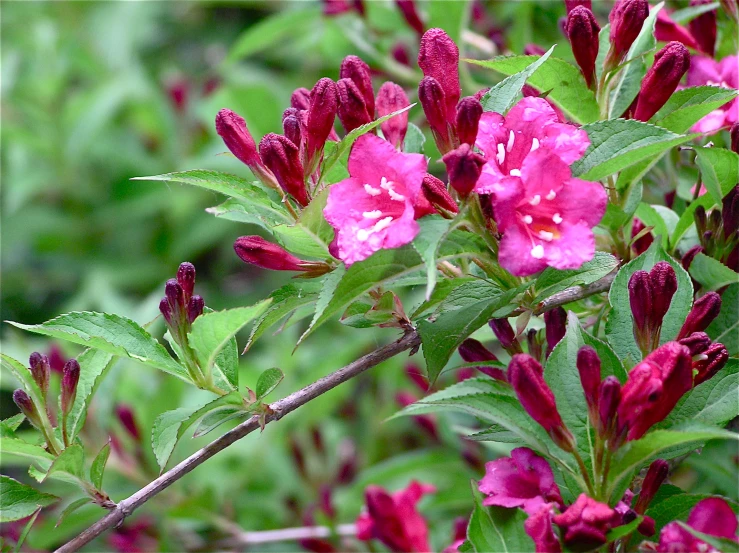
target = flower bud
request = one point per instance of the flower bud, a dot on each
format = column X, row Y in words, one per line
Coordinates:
column 415, row 375
column 26, row 406
column 534, row 343
column 166, row 310
column 582, row 30
column 609, row 397
column 572, row 4
column 715, row 357
column 291, row 126
column 704, row 310
column 663, row 282
column 194, row 308
column 300, row 99
column 283, row 159
column 670, row 64
column 667, row 30
column 641, row 244
column 690, row 255
column 588, row 365
column 640, row 299
column 647, row 527
column 352, row 109
column 464, row 167
column 186, row 279
column 127, row 420
column 656, row 475
column 526, row 376
column 469, row 111
column 408, row 9
column 232, row 128
column 176, row 298
column 697, row 343
column 70, row 378
column 533, row 50
column 556, row 326
column 320, row 123
column 433, row 101
column 438, row 57
column 391, row 98
column 40, row 371
column 505, row 334
column 473, row 351
column 703, row 28
column 258, row 251
column 735, row 137
column 436, row 193
column 355, row 69
column 626, row 18
column 730, row 213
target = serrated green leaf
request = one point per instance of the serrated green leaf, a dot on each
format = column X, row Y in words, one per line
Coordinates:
column 97, row 470
column 310, row 235
column 719, row 170
column 241, row 211
column 619, row 143
column 70, row 463
column 710, row 273
column 686, row 14
column 688, row 106
column 662, row 218
column 495, row 433
column 26, row 529
column 551, row 280
column 433, row 229
column 414, row 140
column 36, row 453
column 725, row 327
column 10, row 425
column 330, row 284
column 217, row 417
column 268, row 381
column 72, row 507
column 112, row 334
column 94, row 364
column 18, row 501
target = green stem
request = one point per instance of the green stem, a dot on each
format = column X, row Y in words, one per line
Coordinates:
column 604, row 477
column 584, row 472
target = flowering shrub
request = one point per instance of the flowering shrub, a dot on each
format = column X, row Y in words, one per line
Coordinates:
column 614, row 316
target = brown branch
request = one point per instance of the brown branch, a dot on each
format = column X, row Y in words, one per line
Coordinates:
column 575, row 293
column 279, row 409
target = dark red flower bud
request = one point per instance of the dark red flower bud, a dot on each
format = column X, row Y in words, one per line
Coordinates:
column 355, row 69
column 640, row 298
column 258, row 251
column 701, row 315
column 627, row 18
column 166, row 310
column 469, row 111
column 176, row 298
column 505, row 334
column 472, row 351
column 186, row 279
column 291, row 125
column 232, row 128
column 609, row 398
column 664, row 285
column 556, row 326
column 735, row 137
column 300, row 99
column 526, row 376
column 436, row 193
column 588, row 365
column 401, row 54
column 670, row 64
column 697, row 343
column 194, row 308
column 572, row 4
column 533, row 50
column 667, row 30
column 582, row 30
column 40, row 371
column 352, row 109
column 26, row 406
column 647, row 527
column 641, row 244
column 655, row 477
column 359, row 7
column 730, row 213
column 438, row 57
column 320, row 122
column 480, row 93
column 70, row 378
column 283, row 159
column 703, row 28
column 433, row 101
column 408, row 9
column 716, row 356
column 127, row 420
column 690, row 255
column 391, row 98
column 534, row 343
column 416, row 376
column 464, row 167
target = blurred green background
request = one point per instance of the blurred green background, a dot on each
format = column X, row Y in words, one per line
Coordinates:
column 94, row 93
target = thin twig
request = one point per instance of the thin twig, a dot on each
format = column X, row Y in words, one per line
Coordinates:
column 278, row 410
column 574, row 294
column 289, row 534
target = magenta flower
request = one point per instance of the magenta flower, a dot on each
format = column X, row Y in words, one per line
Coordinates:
column 545, row 215
column 522, row 480
column 393, row 518
column 712, row 516
column 373, row 209
column 539, row 528
column 724, row 73
column 585, row 523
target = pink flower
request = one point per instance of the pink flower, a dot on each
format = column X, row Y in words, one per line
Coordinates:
column 545, row 215
column 712, row 516
column 539, row 528
column 585, row 523
column 394, row 520
column 724, row 73
column 522, row 480
column 374, row 208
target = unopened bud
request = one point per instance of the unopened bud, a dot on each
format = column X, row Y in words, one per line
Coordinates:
column 703, row 28
column 352, row 108
column 588, row 365
column 356, row 70
column 534, row 343
column 194, row 308
column 609, row 398
column 232, row 128
column 176, row 297
column 670, row 64
column 391, row 98
column 690, row 256
column 283, row 159
column 258, row 251
column 533, row 50
column 438, row 57
column 697, row 343
column 556, row 326
column 291, row 125
column 715, row 357
column 730, row 213
column 505, row 334
column 464, row 167
column 664, row 285
column 640, row 299
column 320, row 123
column 641, row 244
column 647, row 527
column 408, row 9
column 166, row 310
column 626, row 18
column 704, row 310
column 472, row 351
column 70, row 379
column 582, row 30
column 127, row 420
column 433, row 101
column 656, row 475
column 186, row 279
column 667, row 30
column 469, row 111
column 572, row 4
column 300, row 99
column 40, row 371
column 735, row 137
column 26, row 406
column 436, row 193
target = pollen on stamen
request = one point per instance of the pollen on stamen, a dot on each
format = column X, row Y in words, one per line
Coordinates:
column 537, row 252
column 511, row 138
column 536, row 200
column 552, row 194
column 372, row 191
column 386, row 184
column 376, row 214
column 500, row 156
column 382, row 224
column 534, row 144
column 546, row 236
column 395, row 196
column 528, row 219
column 515, row 172
column 557, row 218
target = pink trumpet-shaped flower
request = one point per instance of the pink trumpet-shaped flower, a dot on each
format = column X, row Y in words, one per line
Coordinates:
column 724, row 73
column 712, row 516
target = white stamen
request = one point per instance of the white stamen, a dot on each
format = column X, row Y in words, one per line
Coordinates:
column 534, row 144
column 557, row 218
column 536, row 200
column 382, row 224
column 511, row 138
column 552, row 194
column 395, row 196
column 515, row 172
column 386, row 184
column 528, row 219
column 371, row 190
column 537, row 252
column 500, row 156
column 546, row 236
column 363, row 234
column 376, row 214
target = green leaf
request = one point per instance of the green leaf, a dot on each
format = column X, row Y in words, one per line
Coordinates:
column 450, row 16
column 112, row 334
column 496, row 433
column 241, row 211
column 662, row 218
column 688, row 106
column 268, row 381
column 501, row 97
column 11, row 424
column 686, row 14
column 497, row 529
column 330, row 283
column 624, row 530
column 711, row 274
column 433, row 229
column 94, row 364
column 551, row 280
column 633, row 73
column 18, row 501
column 97, row 470
column 414, row 140
column 310, row 235
column 25, row 531
column 687, row 218
column 719, row 170
column 564, row 82
column 72, row 507
column 16, row 446
column 619, row 143
column 217, row 417
column 725, row 327
column 70, row 463
column 620, row 324
column 211, row 332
